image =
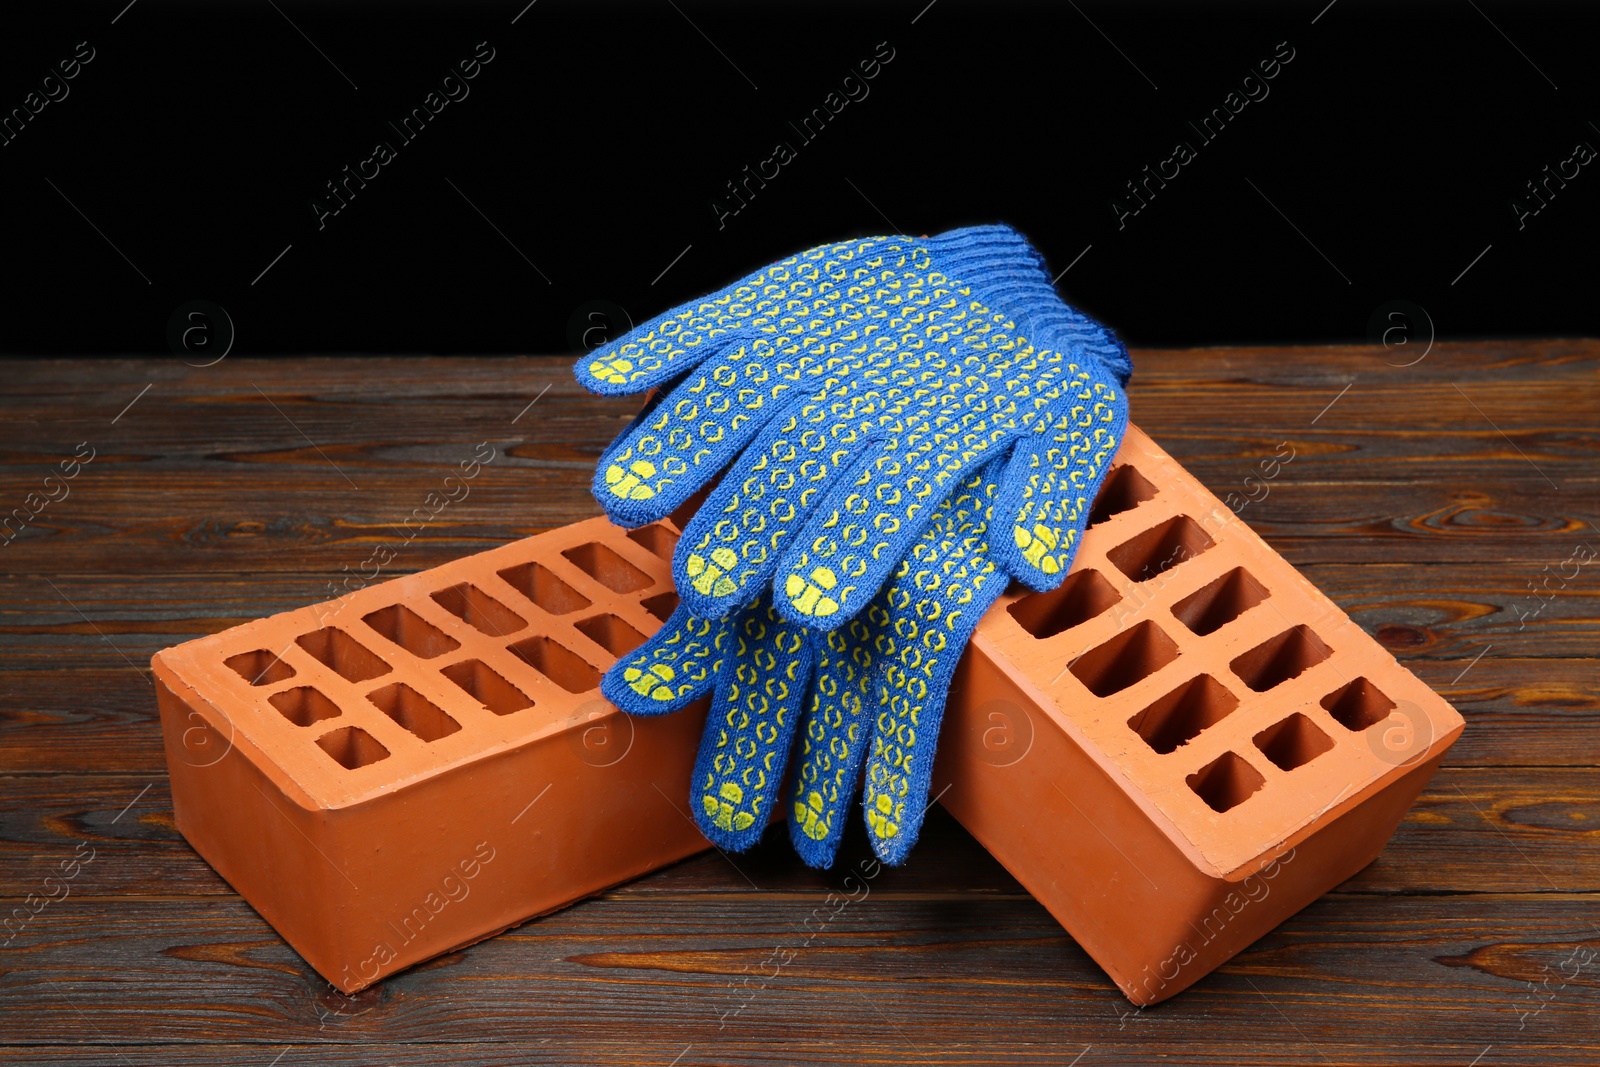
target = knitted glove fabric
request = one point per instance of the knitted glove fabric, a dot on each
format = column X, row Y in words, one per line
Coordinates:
column 872, row 691
column 847, row 391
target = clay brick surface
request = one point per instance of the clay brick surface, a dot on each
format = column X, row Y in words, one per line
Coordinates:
column 1186, row 742
column 1174, row 751
column 427, row 761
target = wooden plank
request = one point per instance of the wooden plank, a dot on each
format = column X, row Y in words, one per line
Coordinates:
column 1394, row 974
column 1538, row 822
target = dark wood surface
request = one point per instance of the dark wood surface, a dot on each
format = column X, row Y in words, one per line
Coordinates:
column 1428, row 501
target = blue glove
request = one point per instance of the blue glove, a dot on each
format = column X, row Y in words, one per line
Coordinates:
column 851, row 388
column 873, row 689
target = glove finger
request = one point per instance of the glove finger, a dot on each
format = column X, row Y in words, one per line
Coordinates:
column 675, row 667
column 730, row 549
column 848, row 549
column 692, row 433
column 1050, row 484
column 934, row 603
column 749, row 728
column 833, row 742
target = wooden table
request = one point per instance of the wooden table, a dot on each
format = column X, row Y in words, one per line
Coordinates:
column 1439, row 504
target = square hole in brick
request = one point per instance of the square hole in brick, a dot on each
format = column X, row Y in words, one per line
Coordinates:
column 535, row 582
column 557, row 663
column 611, row 634
column 479, row 610
column 656, row 538
column 1179, row 716
column 662, row 605
column 411, row 631
column 487, row 687
column 1226, row 782
column 1294, row 742
column 414, row 711
column 608, row 568
column 1080, row 598
column 1160, row 548
column 1358, row 705
column 352, row 747
column 1275, row 661
column 1123, row 490
column 260, row 667
column 1209, row 609
column 1135, row 653
column 303, row 705
column 338, row 650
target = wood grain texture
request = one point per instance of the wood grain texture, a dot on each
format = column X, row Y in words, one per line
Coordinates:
column 1431, row 502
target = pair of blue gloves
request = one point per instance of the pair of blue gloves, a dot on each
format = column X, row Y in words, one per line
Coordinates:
column 901, row 427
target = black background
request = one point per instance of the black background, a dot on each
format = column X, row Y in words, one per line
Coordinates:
column 588, row 155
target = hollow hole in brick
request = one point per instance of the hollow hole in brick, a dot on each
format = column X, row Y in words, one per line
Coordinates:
column 1278, row 659
column 557, row 663
column 662, row 605
column 414, row 711
column 608, row 568
column 1136, row 653
column 479, row 610
column 303, row 705
column 352, row 747
column 611, row 634
column 1123, row 490
column 1182, row 714
column 487, row 687
column 1226, row 782
column 260, row 667
column 1358, row 705
column 1294, row 742
column 535, row 582
column 411, row 631
column 1080, row 598
column 657, row 539
column 1160, row 548
column 1209, row 609
column 343, row 653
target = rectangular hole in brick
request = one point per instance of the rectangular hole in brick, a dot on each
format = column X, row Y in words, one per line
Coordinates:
column 1294, row 742
column 1123, row 490
column 685, row 511
column 1080, row 598
column 611, row 634
column 557, row 663
column 608, row 568
column 260, row 667
column 1275, row 661
column 487, row 687
column 411, row 631
column 656, row 539
column 1226, row 782
column 662, row 605
column 1208, row 610
column 536, row 583
column 338, row 650
column 352, row 747
column 1136, row 653
column 1160, row 548
column 414, row 711
column 303, row 705
column 479, row 610
column 1358, row 705
column 1179, row 716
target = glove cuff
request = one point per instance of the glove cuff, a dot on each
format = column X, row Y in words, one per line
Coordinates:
column 1010, row 276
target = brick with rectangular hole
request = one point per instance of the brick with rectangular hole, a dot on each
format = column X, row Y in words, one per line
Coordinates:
column 427, row 761
column 479, row 610
column 1186, row 743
